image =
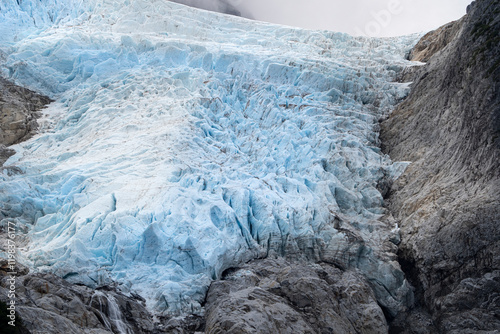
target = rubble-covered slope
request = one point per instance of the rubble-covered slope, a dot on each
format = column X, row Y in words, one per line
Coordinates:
column 448, row 200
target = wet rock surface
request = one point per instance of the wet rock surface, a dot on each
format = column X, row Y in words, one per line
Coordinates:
column 276, row 296
column 18, row 114
column 48, row 304
column 448, row 200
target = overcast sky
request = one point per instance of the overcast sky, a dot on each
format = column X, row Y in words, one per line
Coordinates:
column 355, row 17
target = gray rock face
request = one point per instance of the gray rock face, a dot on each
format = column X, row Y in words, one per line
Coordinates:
column 5, row 153
column 448, row 200
column 434, row 41
column 18, row 114
column 49, row 304
column 276, row 296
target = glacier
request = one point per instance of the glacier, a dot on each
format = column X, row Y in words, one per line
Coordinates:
column 184, row 142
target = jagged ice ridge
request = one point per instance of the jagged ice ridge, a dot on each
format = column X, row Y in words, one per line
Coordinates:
column 184, row 142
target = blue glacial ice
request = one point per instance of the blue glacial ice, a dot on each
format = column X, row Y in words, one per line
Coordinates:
column 184, row 142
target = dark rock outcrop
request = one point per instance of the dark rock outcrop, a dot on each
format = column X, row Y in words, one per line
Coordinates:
column 49, row 304
column 18, row 113
column 448, row 200
column 276, row 296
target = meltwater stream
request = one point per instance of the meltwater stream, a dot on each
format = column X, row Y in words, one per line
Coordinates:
column 109, row 309
column 183, row 143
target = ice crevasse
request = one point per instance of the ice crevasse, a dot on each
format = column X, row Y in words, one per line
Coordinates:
column 183, row 143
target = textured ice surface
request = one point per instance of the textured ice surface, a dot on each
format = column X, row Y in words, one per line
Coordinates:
column 185, row 142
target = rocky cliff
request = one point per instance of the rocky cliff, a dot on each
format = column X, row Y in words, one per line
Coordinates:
column 448, row 200
column 277, row 296
column 18, row 113
column 434, row 41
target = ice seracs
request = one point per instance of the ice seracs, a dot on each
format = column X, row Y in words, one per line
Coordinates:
column 190, row 142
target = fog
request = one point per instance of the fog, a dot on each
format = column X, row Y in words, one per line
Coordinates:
column 356, row 17
column 221, row 6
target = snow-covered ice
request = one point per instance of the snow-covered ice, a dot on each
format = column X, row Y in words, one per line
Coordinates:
column 185, row 142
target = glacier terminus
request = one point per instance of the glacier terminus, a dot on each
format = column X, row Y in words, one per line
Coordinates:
column 182, row 143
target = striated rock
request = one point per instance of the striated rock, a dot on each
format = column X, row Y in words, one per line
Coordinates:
column 276, row 296
column 448, row 200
